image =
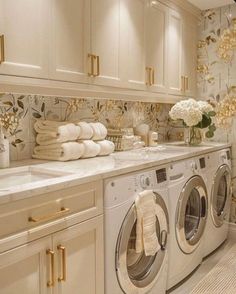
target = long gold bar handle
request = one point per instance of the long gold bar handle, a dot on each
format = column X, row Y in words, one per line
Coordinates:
column 2, row 49
column 182, row 83
column 63, row 254
column 186, row 83
column 98, row 66
column 148, row 76
column 153, row 76
column 91, row 58
column 48, row 217
column 51, row 282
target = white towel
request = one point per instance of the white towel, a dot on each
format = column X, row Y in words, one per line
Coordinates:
column 99, row 131
column 147, row 213
column 55, row 132
column 107, row 147
column 91, row 149
column 61, row 152
column 86, row 131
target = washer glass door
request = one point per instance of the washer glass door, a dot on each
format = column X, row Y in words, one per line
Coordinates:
column 221, row 195
column 191, row 214
column 136, row 271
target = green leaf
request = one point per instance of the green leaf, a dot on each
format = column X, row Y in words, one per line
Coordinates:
column 18, row 141
column 206, row 122
column 43, row 107
column 212, row 128
column 212, row 113
column 209, row 134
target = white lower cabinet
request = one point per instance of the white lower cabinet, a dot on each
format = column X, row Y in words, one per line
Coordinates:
column 67, row 262
column 24, row 269
column 79, row 258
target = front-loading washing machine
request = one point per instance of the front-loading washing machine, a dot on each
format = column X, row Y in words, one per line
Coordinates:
column 219, row 185
column 188, row 214
column 125, row 270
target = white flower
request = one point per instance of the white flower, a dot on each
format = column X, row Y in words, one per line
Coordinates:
column 187, row 110
column 205, row 106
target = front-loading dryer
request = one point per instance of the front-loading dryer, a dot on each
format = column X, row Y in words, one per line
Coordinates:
column 125, row 270
column 188, row 214
column 220, row 192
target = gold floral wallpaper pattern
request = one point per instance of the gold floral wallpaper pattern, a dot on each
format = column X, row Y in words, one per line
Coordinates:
column 217, row 58
column 19, row 112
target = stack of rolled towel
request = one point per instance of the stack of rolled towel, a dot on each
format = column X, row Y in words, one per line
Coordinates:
column 65, row 141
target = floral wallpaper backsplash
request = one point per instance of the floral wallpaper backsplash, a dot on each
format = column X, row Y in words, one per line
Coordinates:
column 216, row 59
column 19, row 112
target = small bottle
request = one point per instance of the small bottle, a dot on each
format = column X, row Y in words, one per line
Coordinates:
column 4, row 151
column 152, row 139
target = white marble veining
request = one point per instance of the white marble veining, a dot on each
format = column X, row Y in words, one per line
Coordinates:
column 87, row 170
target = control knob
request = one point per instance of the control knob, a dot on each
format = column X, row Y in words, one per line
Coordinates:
column 145, row 181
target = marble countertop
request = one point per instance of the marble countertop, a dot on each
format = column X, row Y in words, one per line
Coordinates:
column 99, row 168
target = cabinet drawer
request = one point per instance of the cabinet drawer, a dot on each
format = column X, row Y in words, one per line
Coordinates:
column 74, row 204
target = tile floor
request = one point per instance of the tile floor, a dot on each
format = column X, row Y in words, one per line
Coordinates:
column 208, row 263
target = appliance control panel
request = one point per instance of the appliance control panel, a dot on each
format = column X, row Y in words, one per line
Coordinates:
column 150, row 180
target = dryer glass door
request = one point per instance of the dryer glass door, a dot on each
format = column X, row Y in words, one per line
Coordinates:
column 191, row 214
column 136, row 272
column 221, row 195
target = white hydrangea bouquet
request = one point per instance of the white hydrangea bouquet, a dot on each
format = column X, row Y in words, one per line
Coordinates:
column 195, row 115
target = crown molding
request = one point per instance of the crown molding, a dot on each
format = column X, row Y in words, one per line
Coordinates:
column 184, row 5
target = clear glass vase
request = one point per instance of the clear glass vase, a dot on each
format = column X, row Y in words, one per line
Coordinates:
column 194, row 136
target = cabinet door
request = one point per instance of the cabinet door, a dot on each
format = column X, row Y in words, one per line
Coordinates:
column 24, row 269
column 80, row 258
column 134, row 27
column 106, row 41
column 190, row 56
column 24, row 25
column 175, row 47
column 156, row 44
column 70, row 40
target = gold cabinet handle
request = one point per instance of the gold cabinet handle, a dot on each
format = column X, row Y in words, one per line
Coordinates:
column 2, row 49
column 48, row 217
column 153, row 77
column 98, row 66
column 51, row 281
column 63, row 263
column 91, row 58
column 182, row 83
column 186, row 84
column 148, row 76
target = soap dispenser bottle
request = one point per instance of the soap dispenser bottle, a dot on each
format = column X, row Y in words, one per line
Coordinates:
column 4, row 151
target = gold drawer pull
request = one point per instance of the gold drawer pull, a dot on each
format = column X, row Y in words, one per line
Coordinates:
column 2, row 49
column 51, row 282
column 48, row 217
column 63, row 263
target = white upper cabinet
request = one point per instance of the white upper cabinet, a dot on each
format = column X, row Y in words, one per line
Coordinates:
column 190, row 56
column 24, row 30
column 134, row 27
column 156, row 46
column 175, row 47
column 70, row 40
column 106, row 42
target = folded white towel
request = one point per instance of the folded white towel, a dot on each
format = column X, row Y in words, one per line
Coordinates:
column 91, row 149
column 61, row 152
column 147, row 213
column 99, row 131
column 86, row 131
column 107, row 147
column 55, row 132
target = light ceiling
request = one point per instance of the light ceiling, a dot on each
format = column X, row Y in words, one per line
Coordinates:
column 206, row 4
